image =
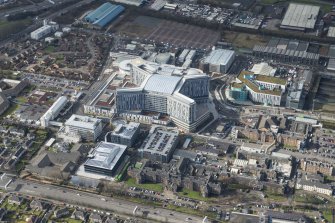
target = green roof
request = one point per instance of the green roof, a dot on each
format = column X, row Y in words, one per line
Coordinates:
column 253, row 86
column 237, row 85
column 269, row 79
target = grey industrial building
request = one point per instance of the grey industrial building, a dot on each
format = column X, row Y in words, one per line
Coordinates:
column 284, row 50
column 183, row 94
column 124, row 134
column 219, row 61
column 105, row 159
column 300, row 17
column 159, row 144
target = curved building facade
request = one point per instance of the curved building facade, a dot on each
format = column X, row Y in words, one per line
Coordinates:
column 182, row 94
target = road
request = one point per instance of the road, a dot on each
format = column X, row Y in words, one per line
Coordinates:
column 99, row 202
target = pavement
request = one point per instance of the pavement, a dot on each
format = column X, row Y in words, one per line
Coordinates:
column 98, row 202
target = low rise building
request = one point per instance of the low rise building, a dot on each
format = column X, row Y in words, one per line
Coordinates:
column 38, row 205
column 219, row 61
column 12, row 88
column 159, row 144
column 105, row 159
column 291, row 140
column 125, row 134
column 61, row 213
column 15, row 200
column 46, row 29
column 275, row 216
column 314, row 183
column 262, row 89
column 79, row 215
column 314, row 166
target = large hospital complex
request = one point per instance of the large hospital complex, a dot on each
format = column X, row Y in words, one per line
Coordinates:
column 183, row 94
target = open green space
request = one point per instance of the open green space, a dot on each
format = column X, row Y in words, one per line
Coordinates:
column 22, row 99
column 8, row 28
column 308, row 199
column 196, row 195
column 131, row 182
column 275, row 197
column 49, row 49
column 328, row 125
column 328, row 215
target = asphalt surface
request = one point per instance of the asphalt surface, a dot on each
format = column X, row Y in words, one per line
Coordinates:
column 98, row 202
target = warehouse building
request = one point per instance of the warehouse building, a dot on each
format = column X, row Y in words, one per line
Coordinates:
column 131, row 2
column 219, row 61
column 289, row 51
column 88, row 128
column 300, row 17
column 124, row 134
column 105, row 159
column 103, row 15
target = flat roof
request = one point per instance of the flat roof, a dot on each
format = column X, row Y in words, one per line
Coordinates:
column 269, row 79
column 301, row 16
column 106, row 155
column 126, row 130
column 254, row 86
column 81, row 121
column 159, row 142
column 219, row 57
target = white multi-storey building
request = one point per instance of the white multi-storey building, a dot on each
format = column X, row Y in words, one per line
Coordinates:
column 53, row 111
column 263, row 89
column 88, row 128
column 47, row 28
column 183, row 94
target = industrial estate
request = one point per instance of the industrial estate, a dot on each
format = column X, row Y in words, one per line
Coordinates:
column 120, row 111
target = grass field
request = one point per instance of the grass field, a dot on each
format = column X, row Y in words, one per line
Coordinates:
column 49, row 49
column 328, row 125
column 8, row 28
column 146, row 186
column 243, row 40
column 308, row 199
column 192, row 194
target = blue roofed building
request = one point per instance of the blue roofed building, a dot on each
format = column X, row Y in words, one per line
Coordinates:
column 103, row 15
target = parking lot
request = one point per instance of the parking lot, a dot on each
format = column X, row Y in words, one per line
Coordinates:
column 55, row 83
column 172, row 33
